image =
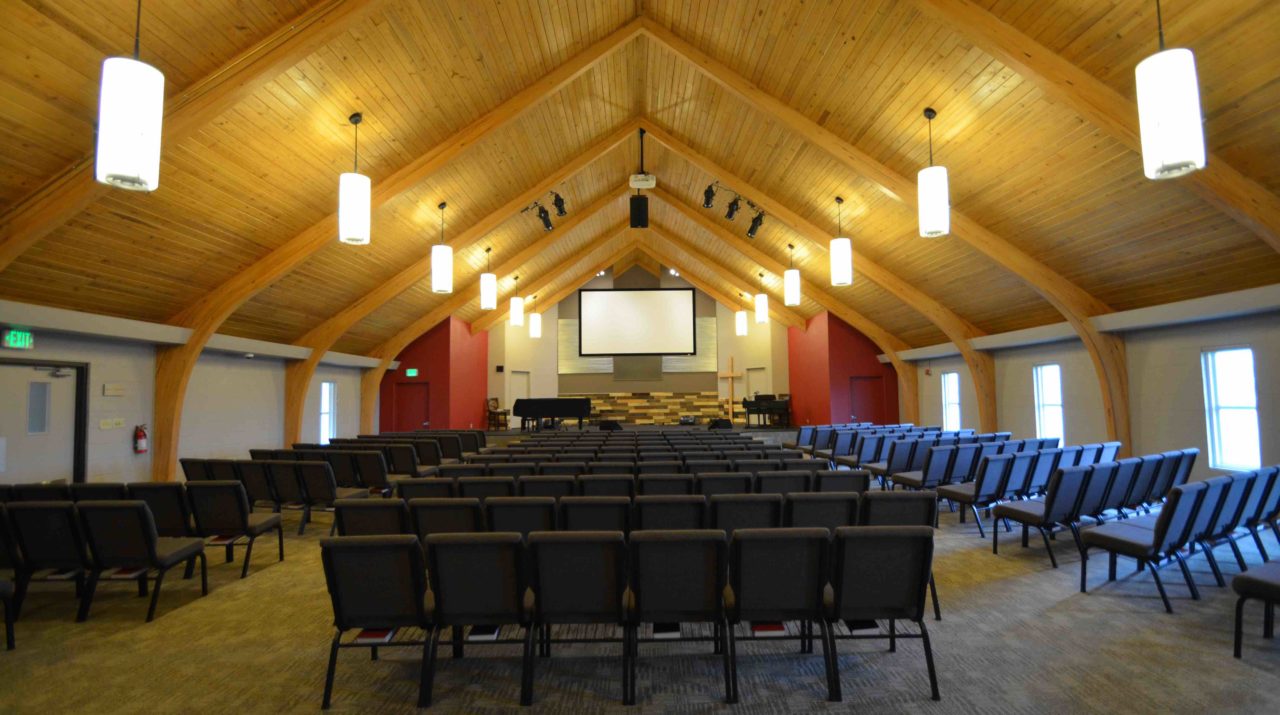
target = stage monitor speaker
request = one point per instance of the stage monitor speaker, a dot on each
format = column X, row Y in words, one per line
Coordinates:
column 639, row 211
column 720, row 424
column 610, row 426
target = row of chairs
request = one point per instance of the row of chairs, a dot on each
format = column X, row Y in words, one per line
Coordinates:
column 857, row 448
column 692, row 466
column 1133, row 483
column 1205, row 514
column 779, row 482
column 811, row 437
column 953, row 465
column 907, row 456
column 629, row 455
column 608, row 578
column 351, row 469
column 829, row 510
column 368, row 466
column 427, row 452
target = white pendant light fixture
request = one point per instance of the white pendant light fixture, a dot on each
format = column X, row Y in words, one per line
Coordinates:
column 516, row 313
column 841, row 256
column 1169, row 117
column 488, row 285
column 355, row 192
column 130, row 115
column 442, row 261
column 791, row 281
column 535, row 321
column 740, row 323
column 762, row 304
column 933, row 195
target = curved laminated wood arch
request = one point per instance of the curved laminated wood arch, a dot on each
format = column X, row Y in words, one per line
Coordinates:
column 371, row 380
column 175, row 364
column 1076, row 305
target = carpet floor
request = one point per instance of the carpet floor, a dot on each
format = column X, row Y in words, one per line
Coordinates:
column 1017, row 637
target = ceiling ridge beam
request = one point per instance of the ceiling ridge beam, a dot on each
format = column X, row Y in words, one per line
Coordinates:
column 715, row 293
column 73, row 188
column 780, row 312
column 1076, row 304
column 1246, row 201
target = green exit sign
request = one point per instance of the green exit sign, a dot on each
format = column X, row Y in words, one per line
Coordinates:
column 411, row 372
column 15, row 339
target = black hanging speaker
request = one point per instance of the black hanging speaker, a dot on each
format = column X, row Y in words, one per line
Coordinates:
column 639, row 211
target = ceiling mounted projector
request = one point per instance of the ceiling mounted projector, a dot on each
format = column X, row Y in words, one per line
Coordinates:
column 643, row 181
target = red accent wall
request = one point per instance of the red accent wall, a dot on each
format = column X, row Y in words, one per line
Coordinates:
column 454, row 363
column 822, row 361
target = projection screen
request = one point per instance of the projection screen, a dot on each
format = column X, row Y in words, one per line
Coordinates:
column 636, row 322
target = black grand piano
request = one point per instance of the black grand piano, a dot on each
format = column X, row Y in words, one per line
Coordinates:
column 767, row 406
column 537, row 409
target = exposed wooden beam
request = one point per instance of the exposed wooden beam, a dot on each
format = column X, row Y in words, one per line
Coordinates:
column 174, row 365
column 625, row 264
column 1075, row 304
column 1243, row 199
column 371, row 380
column 71, row 190
column 666, row 240
column 658, row 254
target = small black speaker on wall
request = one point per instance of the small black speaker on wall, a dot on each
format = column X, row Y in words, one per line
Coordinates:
column 499, row 369
column 639, row 211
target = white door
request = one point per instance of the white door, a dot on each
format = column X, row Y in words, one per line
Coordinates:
column 37, row 425
column 756, row 382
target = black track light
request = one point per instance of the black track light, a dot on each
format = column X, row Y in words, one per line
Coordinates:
column 755, row 225
column 733, row 209
column 545, row 217
column 558, row 202
column 709, row 196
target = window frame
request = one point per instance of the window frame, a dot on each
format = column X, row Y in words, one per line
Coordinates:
column 1213, row 409
column 946, row 425
column 48, row 405
column 328, row 418
column 1040, row 404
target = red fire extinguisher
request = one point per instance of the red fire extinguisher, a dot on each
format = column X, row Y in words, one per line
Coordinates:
column 140, row 439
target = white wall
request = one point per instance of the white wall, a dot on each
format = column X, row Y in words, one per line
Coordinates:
column 1166, row 392
column 512, row 348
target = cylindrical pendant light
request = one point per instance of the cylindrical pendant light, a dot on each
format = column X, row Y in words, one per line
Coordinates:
column 355, row 193
column 762, row 304
column 841, row 256
column 1169, row 118
column 442, row 261
column 791, row 281
column 740, row 323
column 516, row 313
column 488, row 285
column 933, row 196
column 535, row 321
column 130, row 114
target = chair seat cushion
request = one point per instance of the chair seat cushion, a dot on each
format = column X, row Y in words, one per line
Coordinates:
column 1147, row 522
column 847, row 460
column 910, row 479
column 352, row 492
column 262, row 523
column 1259, row 582
column 1023, row 512
column 1122, row 539
column 958, row 492
column 822, row 454
column 877, row 467
column 170, row 551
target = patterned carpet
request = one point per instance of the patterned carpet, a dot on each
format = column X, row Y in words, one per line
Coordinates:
column 1017, row 637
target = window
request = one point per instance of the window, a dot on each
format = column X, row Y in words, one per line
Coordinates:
column 950, row 401
column 38, row 408
column 1048, row 384
column 328, row 411
column 1231, row 409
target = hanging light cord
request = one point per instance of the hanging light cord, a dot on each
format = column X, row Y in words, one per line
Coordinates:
column 1159, row 25
column 930, row 142
column 137, row 32
column 442, row 205
column 793, row 255
column 487, row 266
column 839, row 216
column 355, row 151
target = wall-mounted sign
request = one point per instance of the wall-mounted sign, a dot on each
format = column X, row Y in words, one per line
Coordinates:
column 113, row 389
column 411, row 372
column 16, row 339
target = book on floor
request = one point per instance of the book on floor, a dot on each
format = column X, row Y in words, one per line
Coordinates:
column 768, row 629
column 375, row 636
column 862, row 625
column 483, row 633
column 666, row 631
column 126, row 574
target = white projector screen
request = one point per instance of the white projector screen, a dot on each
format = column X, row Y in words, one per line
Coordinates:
column 636, row 322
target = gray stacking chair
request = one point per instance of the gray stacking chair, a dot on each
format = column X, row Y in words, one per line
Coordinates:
column 1110, row 450
column 614, row 467
column 254, row 475
column 844, row 480
column 170, row 509
column 607, row 485
column 195, row 471
column 428, row 487
column 375, row 583
column 881, row 573
column 933, row 472
column 592, row 513
column 446, row 516
column 484, row 487
column 984, row 491
column 546, row 486
column 1122, row 481
column 520, row 514
column 804, row 437
column 1057, row 509
column 477, row 579
column 1045, row 464
column 1089, row 454
column 827, row 510
column 665, row 484
column 41, row 491
column 371, row 517
column 783, row 482
column 1262, row 507
column 1143, row 482
column 902, row 509
column 220, row 469
column 659, row 467
column 964, row 463
column 1228, row 518
column 779, row 575
column 579, row 577
column 453, row 471
column 321, row 490
column 678, row 576
column 745, row 511
column 1261, row 583
column 571, row 469
column 99, row 491
column 221, row 510
column 122, row 536
column 46, row 536
column 683, row 512
column 287, row 486
column 372, row 468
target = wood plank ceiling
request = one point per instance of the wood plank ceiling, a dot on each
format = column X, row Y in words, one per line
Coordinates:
column 1026, row 167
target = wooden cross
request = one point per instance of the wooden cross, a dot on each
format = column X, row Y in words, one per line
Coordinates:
column 729, row 375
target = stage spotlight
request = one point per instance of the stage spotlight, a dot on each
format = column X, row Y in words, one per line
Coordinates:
column 709, row 196
column 558, row 202
column 732, row 210
column 755, row 225
column 545, row 217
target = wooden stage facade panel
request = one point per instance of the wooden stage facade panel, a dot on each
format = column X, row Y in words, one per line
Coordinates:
column 656, row 408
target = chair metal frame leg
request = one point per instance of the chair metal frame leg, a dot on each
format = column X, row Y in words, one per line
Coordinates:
column 204, row 574
column 977, row 517
column 22, row 581
column 1155, row 575
column 626, row 663
column 248, row 552
column 8, row 624
column 824, row 632
column 1257, row 540
column 280, row 538
column 1053, row 559
column 1239, row 630
column 429, row 668
column 155, row 594
column 933, row 593
column 1235, row 551
column 730, row 664
column 86, row 595
column 928, row 660
column 1213, row 564
column 333, row 666
column 1186, row 575
column 834, row 693
column 532, row 639
column 635, row 658
column 1084, row 575
column 1269, row 621
column 995, row 540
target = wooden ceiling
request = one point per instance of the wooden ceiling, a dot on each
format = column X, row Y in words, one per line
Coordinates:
column 262, row 169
